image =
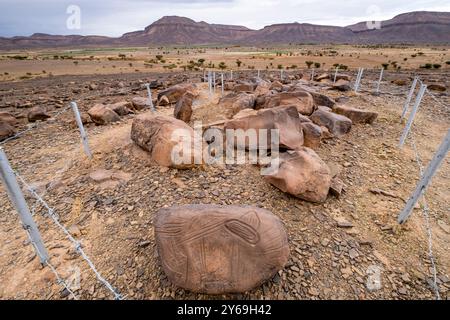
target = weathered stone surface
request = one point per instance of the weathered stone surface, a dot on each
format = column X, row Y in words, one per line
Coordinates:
column 337, row 124
column 244, row 87
column 220, row 249
column 100, row 114
column 121, row 108
column 183, row 108
column 312, row 135
column 340, row 76
column 159, row 135
column 163, row 101
column 322, row 100
column 302, row 174
column 356, row 115
column 277, row 86
column 301, row 99
column 341, row 85
column 235, row 102
column 262, row 88
column 8, row 118
column 140, row 103
column 286, row 120
column 322, row 76
column 6, row 130
column 245, row 113
column 37, row 114
column 176, row 92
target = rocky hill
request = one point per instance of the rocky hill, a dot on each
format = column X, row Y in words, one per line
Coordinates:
column 415, row 28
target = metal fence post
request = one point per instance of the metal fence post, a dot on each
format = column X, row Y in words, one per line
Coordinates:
column 150, row 99
column 426, row 178
column 312, row 74
column 281, row 74
column 259, row 73
column 231, row 75
column 15, row 195
column 221, row 80
column 84, row 138
column 408, row 99
column 214, row 81
column 358, row 79
column 422, row 90
column 335, row 74
column 379, row 80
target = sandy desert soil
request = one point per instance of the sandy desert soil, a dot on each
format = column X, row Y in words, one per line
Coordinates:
column 113, row 221
column 42, row 63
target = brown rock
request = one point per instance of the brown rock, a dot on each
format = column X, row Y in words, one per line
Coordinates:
column 322, row 100
column 336, row 187
column 301, row 99
column 235, row 102
column 37, row 114
column 220, row 249
column 286, row 120
column 244, row 87
column 159, row 135
column 6, row 130
column 8, row 118
column 437, row 87
column 140, row 103
column 277, row 86
column 183, row 108
column 323, row 76
column 262, row 88
column 176, row 92
column 341, row 85
column 337, row 124
column 302, row 174
column 342, row 77
column 312, row 134
column 100, row 114
column 356, row 115
column 163, row 101
column 121, row 108
column 400, row 82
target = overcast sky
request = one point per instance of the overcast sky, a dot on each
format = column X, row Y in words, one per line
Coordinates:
column 114, row 17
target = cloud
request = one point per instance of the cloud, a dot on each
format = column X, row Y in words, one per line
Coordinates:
column 115, row 17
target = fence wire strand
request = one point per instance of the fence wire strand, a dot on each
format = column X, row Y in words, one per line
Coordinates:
column 426, row 215
column 77, row 244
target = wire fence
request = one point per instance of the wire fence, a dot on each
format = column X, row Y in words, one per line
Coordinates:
column 359, row 85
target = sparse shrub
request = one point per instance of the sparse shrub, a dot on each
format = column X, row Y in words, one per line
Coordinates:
column 437, row 66
column 447, row 62
column 426, row 66
column 280, row 66
column 159, row 57
column 222, row 66
column 309, row 64
column 385, row 66
column 75, row 63
column 317, row 65
column 122, row 56
column 238, row 63
column 405, row 59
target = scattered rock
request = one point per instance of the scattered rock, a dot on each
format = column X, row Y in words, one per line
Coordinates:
column 303, row 174
column 100, row 114
column 437, row 87
column 8, row 118
column 302, row 100
column 312, row 134
column 220, row 249
column 140, row 103
column 235, row 102
column 341, row 85
column 356, row 115
column 37, row 114
column 284, row 119
column 159, row 135
column 176, row 92
column 337, row 124
column 183, row 108
column 6, row 130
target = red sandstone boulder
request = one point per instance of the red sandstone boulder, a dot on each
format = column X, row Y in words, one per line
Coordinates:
column 356, row 115
column 337, row 124
column 302, row 174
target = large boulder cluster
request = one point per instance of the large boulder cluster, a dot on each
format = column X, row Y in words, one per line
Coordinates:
column 222, row 249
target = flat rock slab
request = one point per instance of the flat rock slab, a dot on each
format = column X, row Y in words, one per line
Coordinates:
column 356, row 115
column 220, row 249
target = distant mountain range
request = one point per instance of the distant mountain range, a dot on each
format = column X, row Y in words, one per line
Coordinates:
column 420, row 27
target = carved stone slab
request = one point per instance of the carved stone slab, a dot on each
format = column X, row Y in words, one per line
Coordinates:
column 220, row 249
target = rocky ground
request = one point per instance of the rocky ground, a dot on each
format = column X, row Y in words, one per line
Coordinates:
column 334, row 246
